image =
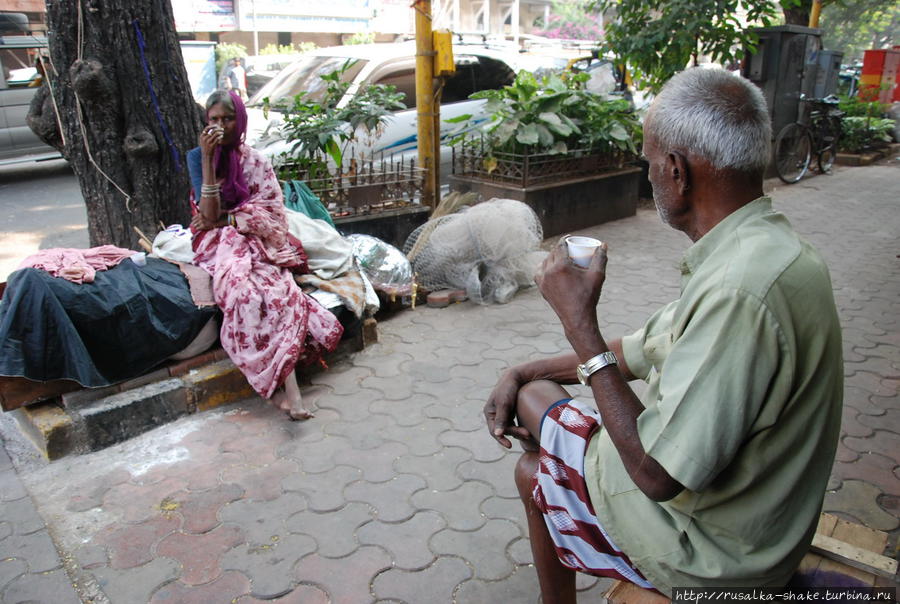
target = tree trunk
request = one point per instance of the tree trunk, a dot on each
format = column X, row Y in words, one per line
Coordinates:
column 798, row 15
column 136, row 127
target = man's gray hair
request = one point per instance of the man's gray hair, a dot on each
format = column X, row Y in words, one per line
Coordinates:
column 716, row 115
column 220, row 96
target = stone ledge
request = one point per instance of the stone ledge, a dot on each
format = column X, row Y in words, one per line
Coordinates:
column 90, row 420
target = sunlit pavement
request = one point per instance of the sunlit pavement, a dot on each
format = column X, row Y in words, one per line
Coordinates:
column 395, row 491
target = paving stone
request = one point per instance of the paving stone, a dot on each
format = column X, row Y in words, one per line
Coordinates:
column 844, row 454
column 451, row 391
column 861, row 498
column 302, row 594
column 408, row 412
column 406, row 541
column 315, row 457
column 261, row 483
column 10, row 568
column 422, row 439
column 206, row 476
column 459, row 507
column 6, row 529
column 484, row 549
column 36, row 549
column 890, row 421
column 22, row 515
column 90, row 556
column 131, row 545
column 53, row 586
column 199, row 509
column 521, row 587
column 382, row 360
column 269, row 565
column 871, row 383
column 136, row 584
column 323, row 491
column 479, row 442
column 345, row 580
column 850, row 424
column 11, row 487
column 439, row 581
column 435, row 373
column 361, row 434
column 873, row 468
column 881, row 441
column 486, row 373
column 465, row 416
column 438, row 470
column 199, row 554
column 493, row 473
column 519, row 552
column 335, row 533
column 377, row 464
column 263, row 452
column 220, row 590
column 390, row 499
column 347, row 382
column 138, row 503
column 5, row 461
column 263, row 521
column 394, row 389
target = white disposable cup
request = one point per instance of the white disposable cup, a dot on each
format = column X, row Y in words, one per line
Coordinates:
column 581, row 249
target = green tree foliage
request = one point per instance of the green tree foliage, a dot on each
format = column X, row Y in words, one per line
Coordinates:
column 853, row 26
column 658, row 38
column 225, row 51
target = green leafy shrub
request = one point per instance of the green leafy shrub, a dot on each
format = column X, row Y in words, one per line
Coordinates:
column 288, row 49
column 860, row 133
column 361, row 38
column 553, row 115
column 226, row 51
column 852, row 106
column 320, row 130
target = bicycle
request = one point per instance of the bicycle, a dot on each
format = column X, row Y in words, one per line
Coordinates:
column 797, row 141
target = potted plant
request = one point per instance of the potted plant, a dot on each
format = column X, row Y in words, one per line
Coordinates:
column 563, row 150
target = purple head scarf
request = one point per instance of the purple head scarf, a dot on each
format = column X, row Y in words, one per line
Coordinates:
column 227, row 159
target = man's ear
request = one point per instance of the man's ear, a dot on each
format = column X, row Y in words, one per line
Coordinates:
column 677, row 167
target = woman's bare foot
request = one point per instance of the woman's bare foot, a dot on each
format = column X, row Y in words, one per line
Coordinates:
column 297, row 410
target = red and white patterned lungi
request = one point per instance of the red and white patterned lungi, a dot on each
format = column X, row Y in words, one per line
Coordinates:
column 561, row 494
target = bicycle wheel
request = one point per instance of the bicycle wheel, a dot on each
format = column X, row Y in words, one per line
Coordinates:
column 792, row 152
column 829, row 133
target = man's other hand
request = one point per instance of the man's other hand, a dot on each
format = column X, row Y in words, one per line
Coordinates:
column 500, row 410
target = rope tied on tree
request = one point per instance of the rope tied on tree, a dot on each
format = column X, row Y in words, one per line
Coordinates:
column 84, row 136
column 162, row 123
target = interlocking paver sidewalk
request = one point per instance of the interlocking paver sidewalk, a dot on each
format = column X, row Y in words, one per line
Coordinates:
column 395, row 492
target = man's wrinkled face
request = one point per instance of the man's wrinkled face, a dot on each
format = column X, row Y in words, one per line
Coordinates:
column 660, row 181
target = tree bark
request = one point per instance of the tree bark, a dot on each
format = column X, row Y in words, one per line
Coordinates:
column 138, row 139
column 798, row 15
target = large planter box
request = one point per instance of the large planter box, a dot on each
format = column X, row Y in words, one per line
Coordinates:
column 566, row 205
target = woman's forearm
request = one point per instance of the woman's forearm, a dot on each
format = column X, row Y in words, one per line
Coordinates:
column 210, row 202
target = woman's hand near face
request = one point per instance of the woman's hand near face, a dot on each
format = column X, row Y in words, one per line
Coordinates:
column 210, row 138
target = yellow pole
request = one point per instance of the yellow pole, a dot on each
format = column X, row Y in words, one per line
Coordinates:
column 425, row 98
column 814, row 13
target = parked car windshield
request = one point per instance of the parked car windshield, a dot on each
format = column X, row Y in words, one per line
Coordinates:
column 302, row 76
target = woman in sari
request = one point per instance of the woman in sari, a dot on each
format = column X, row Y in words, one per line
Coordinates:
column 241, row 239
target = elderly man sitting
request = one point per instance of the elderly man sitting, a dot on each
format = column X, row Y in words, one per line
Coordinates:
column 716, row 477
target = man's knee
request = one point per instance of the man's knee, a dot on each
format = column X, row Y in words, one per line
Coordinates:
column 526, row 468
column 533, row 400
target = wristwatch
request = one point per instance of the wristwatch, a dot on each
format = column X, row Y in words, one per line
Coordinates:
column 595, row 364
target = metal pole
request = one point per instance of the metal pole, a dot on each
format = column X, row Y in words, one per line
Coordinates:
column 425, row 98
column 814, row 13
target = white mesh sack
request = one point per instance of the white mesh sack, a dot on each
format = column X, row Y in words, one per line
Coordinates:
column 490, row 249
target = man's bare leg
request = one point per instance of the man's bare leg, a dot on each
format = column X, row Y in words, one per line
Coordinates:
column 557, row 581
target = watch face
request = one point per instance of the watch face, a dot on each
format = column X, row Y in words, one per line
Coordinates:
column 579, row 371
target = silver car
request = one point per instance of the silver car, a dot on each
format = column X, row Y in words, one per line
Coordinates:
column 18, row 79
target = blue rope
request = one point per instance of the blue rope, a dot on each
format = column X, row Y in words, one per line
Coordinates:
column 165, row 129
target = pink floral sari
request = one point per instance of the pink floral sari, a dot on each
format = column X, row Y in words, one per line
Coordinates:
column 269, row 324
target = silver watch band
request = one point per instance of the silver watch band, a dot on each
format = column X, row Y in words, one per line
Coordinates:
column 596, row 363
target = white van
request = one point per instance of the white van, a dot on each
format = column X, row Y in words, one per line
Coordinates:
column 478, row 67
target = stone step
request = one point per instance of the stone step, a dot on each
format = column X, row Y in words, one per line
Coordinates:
column 91, row 419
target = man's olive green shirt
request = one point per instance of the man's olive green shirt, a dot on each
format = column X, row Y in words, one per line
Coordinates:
column 743, row 408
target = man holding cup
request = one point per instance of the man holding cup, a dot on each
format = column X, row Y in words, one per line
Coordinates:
column 716, row 477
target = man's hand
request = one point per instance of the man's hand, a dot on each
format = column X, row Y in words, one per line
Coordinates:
column 572, row 291
column 500, row 410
